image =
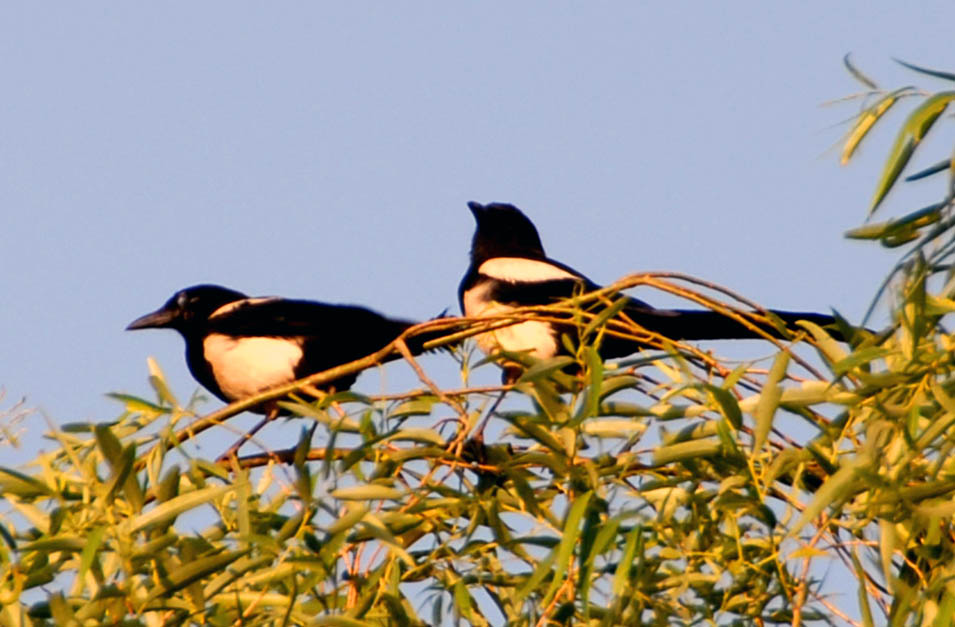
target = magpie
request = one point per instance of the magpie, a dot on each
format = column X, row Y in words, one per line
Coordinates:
column 237, row 346
column 509, row 269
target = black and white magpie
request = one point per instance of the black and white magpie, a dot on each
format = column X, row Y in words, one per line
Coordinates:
column 510, row 269
column 238, row 346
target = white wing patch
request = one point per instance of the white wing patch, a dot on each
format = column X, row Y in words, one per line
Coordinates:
column 247, row 365
column 518, row 269
column 221, row 311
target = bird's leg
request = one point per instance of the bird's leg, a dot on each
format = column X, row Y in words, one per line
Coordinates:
column 509, row 376
column 271, row 415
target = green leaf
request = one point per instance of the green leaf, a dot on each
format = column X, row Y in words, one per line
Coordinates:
column 941, row 166
column 728, row 405
column 158, row 380
column 545, row 367
column 936, row 73
column 685, row 451
column 353, row 515
column 857, row 74
column 135, row 404
column 769, row 401
column 836, row 488
column 860, row 357
column 192, row 571
column 414, row 407
column 94, row 540
column 416, row 434
column 866, row 120
column 462, row 600
column 568, row 540
column 614, row 427
column 863, row 593
column 606, row 314
column 169, row 510
column 367, row 492
column 912, row 132
column 621, row 575
column 906, row 226
column 22, row 485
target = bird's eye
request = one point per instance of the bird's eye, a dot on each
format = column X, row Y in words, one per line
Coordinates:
column 181, row 300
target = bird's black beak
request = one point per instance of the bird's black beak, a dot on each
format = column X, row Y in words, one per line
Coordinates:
column 158, row 319
column 477, row 209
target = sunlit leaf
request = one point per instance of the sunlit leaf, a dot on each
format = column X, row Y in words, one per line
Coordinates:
column 912, row 132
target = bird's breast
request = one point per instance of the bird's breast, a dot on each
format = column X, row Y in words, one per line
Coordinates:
column 536, row 337
column 244, row 366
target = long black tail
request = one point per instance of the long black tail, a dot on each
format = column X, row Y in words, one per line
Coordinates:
column 683, row 324
column 416, row 342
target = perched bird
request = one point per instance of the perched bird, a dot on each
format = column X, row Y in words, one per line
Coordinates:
column 510, row 269
column 238, row 346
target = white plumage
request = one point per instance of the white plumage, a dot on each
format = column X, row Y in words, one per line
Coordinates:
column 248, row 365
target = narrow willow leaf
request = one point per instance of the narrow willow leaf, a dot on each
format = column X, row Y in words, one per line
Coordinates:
column 857, row 74
column 606, row 534
column 860, row 357
column 609, row 312
column 728, row 405
column 367, row 492
column 941, row 166
column 94, row 539
column 109, row 446
column 171, row 509
column 341, row 621
column 353, row 514
column 904, row 227
column 936, row 73
column 192, row 571
column 421, row 435
column 834, row 490
column 686, row 450
column 544, row 367
column 568, row 540
column 158, row 380
column 525, row 492
column 536, row 432
column 22, row 485
column 621, row 575
column 462, row 600
column 862, row 577
column 912, row 132
column 866, row 121
column 829, row 348
column 135, row 404
column 614, row 427
column 414, row 407
column 611, row 385
column 70, row 544
column 769, row 401
column 380, row 531
column 591, row 405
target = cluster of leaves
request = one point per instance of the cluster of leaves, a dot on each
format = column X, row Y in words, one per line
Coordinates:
column 667, row 488
column 895, row 493
column 579, row 512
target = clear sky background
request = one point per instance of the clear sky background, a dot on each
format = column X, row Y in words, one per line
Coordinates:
column 327, row 150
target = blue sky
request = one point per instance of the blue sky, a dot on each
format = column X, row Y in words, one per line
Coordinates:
column 327, row 151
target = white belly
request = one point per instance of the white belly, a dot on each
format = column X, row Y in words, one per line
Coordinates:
column 246, row 366
column 532, row 335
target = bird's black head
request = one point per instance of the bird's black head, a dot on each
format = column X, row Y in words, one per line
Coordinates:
column 188, row 309
column 503, row 231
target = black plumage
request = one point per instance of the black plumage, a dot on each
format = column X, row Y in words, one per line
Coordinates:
column 237, row 346
column 509, row 268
